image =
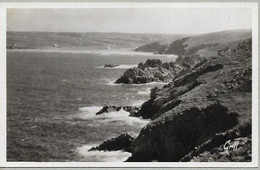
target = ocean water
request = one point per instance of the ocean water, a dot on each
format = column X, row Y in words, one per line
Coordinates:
column 52, row 98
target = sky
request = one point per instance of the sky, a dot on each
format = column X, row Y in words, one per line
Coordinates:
column 129, row 20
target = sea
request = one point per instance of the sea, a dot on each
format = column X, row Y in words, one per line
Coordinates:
column 53, row 96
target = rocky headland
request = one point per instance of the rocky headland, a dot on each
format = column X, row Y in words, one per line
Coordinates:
column 206, row 103
column 154, row 70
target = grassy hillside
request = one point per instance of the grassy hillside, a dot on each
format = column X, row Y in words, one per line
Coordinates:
column 218, row 37
column 194, row 115
column 32, row 40
column 203, row 44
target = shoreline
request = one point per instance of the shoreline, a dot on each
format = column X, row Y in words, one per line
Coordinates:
column 103, row 52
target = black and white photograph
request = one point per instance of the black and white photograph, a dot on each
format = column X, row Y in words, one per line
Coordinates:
column 148, row 84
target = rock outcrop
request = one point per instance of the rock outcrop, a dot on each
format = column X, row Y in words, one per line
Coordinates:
column 131, row 109
column 121, row 142
column 199, row 110
column 153, row 70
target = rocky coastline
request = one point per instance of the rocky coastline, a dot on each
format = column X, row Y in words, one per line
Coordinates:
column 206, row 103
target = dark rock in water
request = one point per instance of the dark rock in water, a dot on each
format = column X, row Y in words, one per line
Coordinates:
column 153, row 70
column 110, row 65
column 122, row 142
column 131, row 109
column 107, row 109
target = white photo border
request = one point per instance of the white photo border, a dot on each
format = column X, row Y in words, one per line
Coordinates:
column 3, row 133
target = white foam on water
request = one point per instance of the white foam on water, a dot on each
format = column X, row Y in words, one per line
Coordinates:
column 146, row 92
column 89, row 113
column 156, row 83
column 172, row 56
column 123, row 66
column 111, row 81
column 138, row 103
column 126, row 52
column 101, row 156
column 149, row 84
column 122, row 52
column 123, row 116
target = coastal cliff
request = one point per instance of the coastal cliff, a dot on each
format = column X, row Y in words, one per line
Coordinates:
column 205, row 105
column 195, row 114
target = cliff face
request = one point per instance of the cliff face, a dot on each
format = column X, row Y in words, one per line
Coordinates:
column 202, row 108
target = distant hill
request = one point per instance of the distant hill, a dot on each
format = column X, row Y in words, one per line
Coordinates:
column 32, row 40
column 202, row 43
column 154, row 47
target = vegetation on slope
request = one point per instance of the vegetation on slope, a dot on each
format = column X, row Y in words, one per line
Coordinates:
column 197, row 43
column 200, row 109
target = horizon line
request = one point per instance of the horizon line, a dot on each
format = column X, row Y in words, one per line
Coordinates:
column 25, row 31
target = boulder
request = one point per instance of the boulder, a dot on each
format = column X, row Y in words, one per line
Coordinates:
column 131, row 109
column 121, row 142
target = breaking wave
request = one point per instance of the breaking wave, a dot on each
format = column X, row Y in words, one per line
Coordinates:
column 89, row 113
column 145, row 92
column 138, row 103
column 101, row 156
column 111, row 82
column 123, row 66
